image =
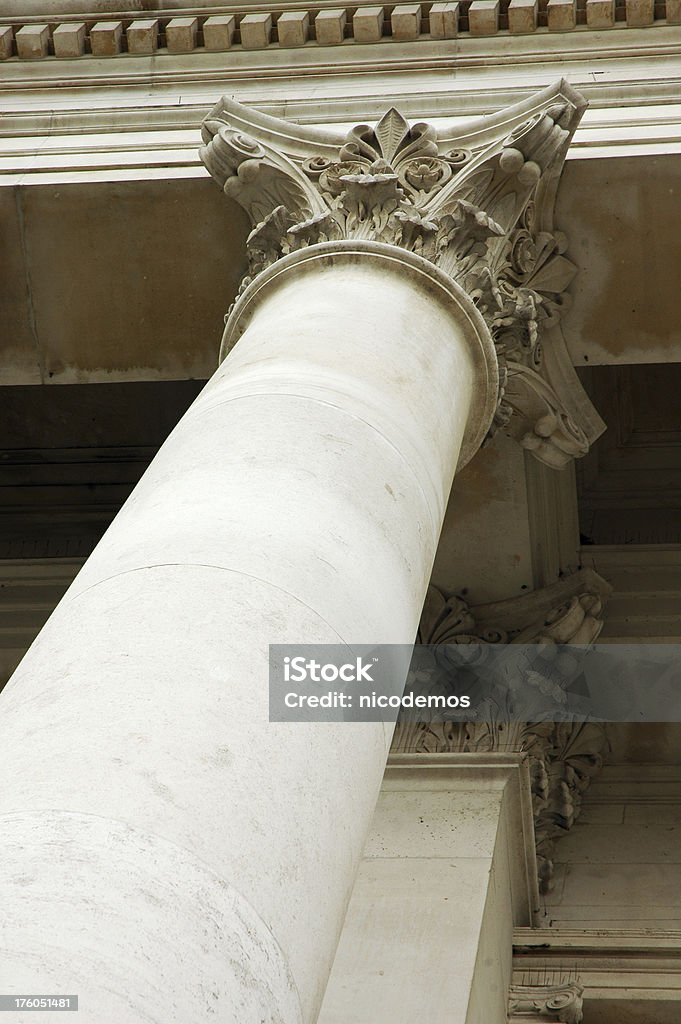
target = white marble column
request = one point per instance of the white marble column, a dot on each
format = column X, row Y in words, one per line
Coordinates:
column 167, row 852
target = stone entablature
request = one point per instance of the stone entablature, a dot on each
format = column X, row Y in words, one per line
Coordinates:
column 616, row 966
column 71, row 30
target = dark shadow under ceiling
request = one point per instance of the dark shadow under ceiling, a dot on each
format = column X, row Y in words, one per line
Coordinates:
column 629, row 485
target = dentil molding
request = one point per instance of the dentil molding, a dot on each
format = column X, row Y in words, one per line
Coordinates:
column 477, row 203
column 44, row 29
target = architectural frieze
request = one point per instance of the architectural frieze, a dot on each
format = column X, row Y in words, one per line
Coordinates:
column 67, row 30
column 562, row 756
column 479, row 207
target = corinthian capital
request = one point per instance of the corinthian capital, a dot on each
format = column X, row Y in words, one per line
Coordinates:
column 474, row 200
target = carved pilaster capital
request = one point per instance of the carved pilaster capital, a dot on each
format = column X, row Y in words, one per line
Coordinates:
column 545, row 1004
column 566, row 612
column 562, row 756
column 476, row 201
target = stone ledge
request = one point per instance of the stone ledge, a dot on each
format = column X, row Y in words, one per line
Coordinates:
column 619, row 965
column 220, row 28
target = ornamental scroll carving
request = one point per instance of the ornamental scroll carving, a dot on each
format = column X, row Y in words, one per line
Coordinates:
column 476, row 201
column 562, row 756
column 545, row 1004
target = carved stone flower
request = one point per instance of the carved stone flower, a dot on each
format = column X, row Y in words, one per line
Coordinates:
column 424, row 175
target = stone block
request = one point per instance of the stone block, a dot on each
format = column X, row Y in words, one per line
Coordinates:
column 218, row 32
column 33, row 41
column 367, row 24
column 405, row 21
column 142, row 36
column 69, row 39
column 181, row 35
column 105, row 38
column 444, row 20
column 674, row 12
column 522, row 16
column 330, row 27
column 293, row 28
column 256, row 31
column 6, row 42
column 483, row 17
column 562, row 15
column 640, row 13
column 600, row 13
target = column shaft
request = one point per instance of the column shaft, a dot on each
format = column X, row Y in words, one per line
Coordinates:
column 168, row 853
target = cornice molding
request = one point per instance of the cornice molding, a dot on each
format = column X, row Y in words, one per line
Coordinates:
column 617, row 965
column 168, row 28
column 476, row 202
column 136, row 117
column 566, row 944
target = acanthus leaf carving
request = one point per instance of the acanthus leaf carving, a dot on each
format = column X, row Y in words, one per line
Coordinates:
column 478, row 204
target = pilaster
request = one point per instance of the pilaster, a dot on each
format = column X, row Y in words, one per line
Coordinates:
column 562, row 756
column 447, row 869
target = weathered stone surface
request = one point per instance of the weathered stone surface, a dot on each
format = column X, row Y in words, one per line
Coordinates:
column 444, row 20
column 640, row 13
column 122, row 315
column 256, row 31
column 142, row 36
column 33, row 41
column 405, row 21
column 367, row 24
column 181, row 34
column 6, row 42
column 293, row 28
column 105, row 38
column 562, row 15
column 218, row 32
column 69, row 40
column 600, row 13
column 446, row 855
column 522, row 15
column 611, row 319
column 483, row 17
column 330, row 27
